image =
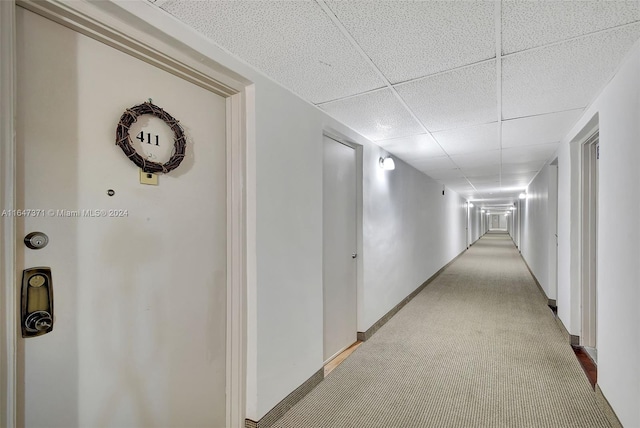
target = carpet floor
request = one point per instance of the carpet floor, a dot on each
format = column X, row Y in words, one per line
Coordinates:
column 478, row 347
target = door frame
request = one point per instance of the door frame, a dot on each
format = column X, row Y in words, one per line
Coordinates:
column 121, row 29
column 553, row 229
column 588, row 240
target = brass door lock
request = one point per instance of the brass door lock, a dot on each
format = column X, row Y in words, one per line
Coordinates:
column 37, row 302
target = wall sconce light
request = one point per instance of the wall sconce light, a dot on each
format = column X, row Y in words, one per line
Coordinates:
column 387, row 163
column 482, row 211
column 522, row 196
column 470, row 205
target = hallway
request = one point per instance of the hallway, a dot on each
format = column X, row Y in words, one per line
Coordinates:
column 478, row 347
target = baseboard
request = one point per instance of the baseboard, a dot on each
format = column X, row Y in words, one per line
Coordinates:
column 535, row 279
column 604, row 405
column 363, row 336
column 573, row 339
column 563, row 329
column 287, row 403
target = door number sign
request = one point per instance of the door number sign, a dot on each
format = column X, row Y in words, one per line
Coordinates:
column 142, row 140
column 123, row 139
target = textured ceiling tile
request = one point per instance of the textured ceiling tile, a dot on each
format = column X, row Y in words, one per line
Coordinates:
column 470, row 139
column 529, row 154
column 440, row 163
column 413, row 147
column 523, row 167
column 564, row 76
column 454, row 99
column 476, row 160
column 443, row 174
column 482, row 171
column 486, row 180
column 293, row 42
column 518, row 180
column 377, row 115
column 409, row 39
column 546, row 128
column 529, row 24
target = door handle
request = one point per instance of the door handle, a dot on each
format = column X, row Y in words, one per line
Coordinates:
column 37, row 301
column 354, row 255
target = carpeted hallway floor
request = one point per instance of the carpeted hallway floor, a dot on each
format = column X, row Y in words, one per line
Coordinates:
column 478, row 347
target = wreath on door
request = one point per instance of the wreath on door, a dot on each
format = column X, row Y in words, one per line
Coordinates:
column 123, row 139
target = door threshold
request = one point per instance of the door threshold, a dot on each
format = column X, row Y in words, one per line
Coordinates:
column 338, row 359
column 588, row 364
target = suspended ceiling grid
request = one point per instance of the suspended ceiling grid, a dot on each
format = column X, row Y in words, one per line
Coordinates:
column 476, row 94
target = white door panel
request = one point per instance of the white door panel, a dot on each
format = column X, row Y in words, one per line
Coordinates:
column 339, row 267
column 140, row 300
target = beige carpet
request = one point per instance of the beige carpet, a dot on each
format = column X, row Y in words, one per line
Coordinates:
column 477, row 348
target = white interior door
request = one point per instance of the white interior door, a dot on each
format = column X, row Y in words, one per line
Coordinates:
column 339, row 247
column 140, row 293
column 495, row 221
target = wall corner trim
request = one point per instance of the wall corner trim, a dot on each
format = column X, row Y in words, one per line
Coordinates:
column 363, row 336
column 287, row 403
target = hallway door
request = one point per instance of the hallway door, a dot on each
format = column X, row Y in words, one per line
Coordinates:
column 339, row 247
column 138, row 271
column 495, row 221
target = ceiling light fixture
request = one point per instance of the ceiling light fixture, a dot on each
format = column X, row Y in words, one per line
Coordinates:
column 522, row 196
column 387, row 163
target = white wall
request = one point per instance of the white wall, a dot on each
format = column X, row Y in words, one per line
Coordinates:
column 409, row 229
column 475, row 223
column 535, row 226
column 617, row 110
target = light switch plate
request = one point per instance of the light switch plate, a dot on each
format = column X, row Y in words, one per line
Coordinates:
column 148, row 178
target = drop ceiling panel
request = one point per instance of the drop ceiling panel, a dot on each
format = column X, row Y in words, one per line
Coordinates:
column 476, row 160
column 295, row 43
column 517, row 180
column 444, row 174
column 529, row 24
column 407, row 39
column 488, row 188
column 564, row 76
column 455, row 99
column 470, row 139
column 489, row 180
column 413, row 147
column 377, row 115
column 523, row 167
column 529, row 154
column 546, row 128
column 482, row 171
column 440, row 163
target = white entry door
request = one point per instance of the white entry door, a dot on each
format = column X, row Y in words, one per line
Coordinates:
column 138, row 271
column 495, row 221
column 339, row 247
